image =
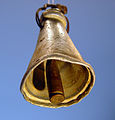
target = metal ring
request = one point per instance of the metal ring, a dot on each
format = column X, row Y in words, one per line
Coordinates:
column 62, row 8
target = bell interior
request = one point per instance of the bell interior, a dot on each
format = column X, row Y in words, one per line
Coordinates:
column 74, row 78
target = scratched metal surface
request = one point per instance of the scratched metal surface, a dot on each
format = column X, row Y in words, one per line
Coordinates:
column 55, row 43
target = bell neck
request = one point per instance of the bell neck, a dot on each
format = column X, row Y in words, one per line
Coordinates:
column 53, row 14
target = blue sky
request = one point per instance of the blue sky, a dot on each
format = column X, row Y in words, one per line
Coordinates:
column 92, row 30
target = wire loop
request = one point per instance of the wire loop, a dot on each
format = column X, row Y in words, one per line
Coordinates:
column 62, row 8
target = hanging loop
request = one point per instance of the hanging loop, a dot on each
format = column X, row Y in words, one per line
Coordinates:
column 62, row 8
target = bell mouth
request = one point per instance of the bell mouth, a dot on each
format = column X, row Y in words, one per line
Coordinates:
column 76, row 78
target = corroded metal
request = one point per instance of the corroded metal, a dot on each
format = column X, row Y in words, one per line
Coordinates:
column 54, row 82
column 76, row 75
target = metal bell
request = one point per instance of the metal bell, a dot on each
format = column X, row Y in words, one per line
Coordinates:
column 57, row 75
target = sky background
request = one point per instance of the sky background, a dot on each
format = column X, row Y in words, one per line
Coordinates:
column 92, row 30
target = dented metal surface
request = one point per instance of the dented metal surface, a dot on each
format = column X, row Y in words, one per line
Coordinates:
column 54, row 43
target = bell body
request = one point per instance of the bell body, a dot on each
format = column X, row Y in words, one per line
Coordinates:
column 76, row 77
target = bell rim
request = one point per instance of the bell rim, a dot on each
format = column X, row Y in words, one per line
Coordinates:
column 63, row 58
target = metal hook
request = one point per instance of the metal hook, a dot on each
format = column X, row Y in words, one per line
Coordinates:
column 52, row 1
column 48, row 1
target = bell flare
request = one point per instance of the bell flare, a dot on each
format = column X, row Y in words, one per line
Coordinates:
column 77, row 80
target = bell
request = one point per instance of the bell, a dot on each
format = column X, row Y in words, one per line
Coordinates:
column 57, row 75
